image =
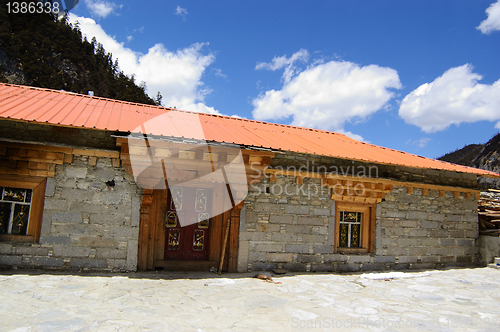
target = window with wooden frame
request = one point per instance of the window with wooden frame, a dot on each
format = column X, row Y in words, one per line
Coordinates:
column 21, row 208
column 354, row 227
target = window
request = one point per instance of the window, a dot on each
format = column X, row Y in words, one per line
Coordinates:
column 354, row 228
column 21, row 207
column 15, row 206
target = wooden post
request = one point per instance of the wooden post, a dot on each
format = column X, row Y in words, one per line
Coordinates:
column 224, row 246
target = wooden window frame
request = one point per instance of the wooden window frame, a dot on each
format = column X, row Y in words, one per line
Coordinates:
column 367, row 227
column 37, row 184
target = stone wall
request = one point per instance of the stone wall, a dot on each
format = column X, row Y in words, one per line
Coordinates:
column 90, row 221
column 489, row 248
column 292, row 226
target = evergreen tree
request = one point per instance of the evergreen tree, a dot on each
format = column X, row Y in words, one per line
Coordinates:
column 46, row 51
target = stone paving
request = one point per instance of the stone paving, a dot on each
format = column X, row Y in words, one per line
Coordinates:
column 449, row 300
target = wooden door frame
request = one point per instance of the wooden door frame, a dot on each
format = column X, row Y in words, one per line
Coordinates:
column 151, row 244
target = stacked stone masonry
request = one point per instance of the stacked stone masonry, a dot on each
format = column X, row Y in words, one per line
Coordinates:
column 90, row 221
column 292, row 226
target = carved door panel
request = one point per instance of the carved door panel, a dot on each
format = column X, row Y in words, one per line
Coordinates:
column 187, row 223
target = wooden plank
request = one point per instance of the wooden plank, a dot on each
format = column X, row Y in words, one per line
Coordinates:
column 467, row 195
column 96, row 153
column 270, row 171
column 371, row 245
column 160, row 208
column 68, row 158
column 441, row 193
column 115, row 162
column 190, row 155
column 226, row 217
column 144, row 230
column 456, row 194
column 16, row 238
column 272, row 178
column 17, row 181
column 425, row 191
column 409, row 190
column 58, row 161
column 233, row 238
column 299, row 179
column 215, row 235
column 92, row 161
column 210, row 156
column 36, row 214
column 39, row 147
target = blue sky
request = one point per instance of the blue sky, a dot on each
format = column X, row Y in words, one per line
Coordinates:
column 417, row 76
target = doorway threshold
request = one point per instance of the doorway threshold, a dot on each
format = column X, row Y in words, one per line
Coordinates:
column 178, row 265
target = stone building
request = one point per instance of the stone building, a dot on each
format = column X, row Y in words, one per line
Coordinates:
column 89, row 183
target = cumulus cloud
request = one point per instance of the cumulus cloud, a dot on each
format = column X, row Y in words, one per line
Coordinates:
column 452, row 98
column 492, row 23
column 326, row 95
column 101, row 8
column 181, row 12
column 282, row 61
column 177, row 75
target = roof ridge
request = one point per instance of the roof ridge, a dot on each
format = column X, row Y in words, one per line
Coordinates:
column 86, row 96
column 175, row 109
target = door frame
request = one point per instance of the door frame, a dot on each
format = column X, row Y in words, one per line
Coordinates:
column 151, row 244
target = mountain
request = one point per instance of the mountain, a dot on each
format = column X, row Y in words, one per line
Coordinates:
column 484, row 156
column 44, row 50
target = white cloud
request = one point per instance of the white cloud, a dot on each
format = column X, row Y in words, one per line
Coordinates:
column 130, row 38
column 452, row 98
column 327, row 95
column 101, row 8
column 181, row 12
column 420, row 142
column 282, row 61
column 492, row 23
column 177, row 75
column 352, row 135
column 218, row 72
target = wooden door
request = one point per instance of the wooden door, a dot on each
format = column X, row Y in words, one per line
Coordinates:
column 187, row 223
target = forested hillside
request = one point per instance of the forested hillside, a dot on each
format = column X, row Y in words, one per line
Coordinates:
column 43, row 50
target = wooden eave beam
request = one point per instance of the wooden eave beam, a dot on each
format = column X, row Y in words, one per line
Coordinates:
column 425, row 187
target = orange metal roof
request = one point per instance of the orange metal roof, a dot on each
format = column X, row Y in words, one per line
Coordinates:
column 62, row 108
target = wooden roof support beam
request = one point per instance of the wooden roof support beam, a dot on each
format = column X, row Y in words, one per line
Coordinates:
column 375, row 180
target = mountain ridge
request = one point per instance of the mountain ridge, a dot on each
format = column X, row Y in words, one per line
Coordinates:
column 484, row 156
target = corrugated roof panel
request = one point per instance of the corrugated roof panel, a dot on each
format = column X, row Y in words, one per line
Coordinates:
column 65, row 108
